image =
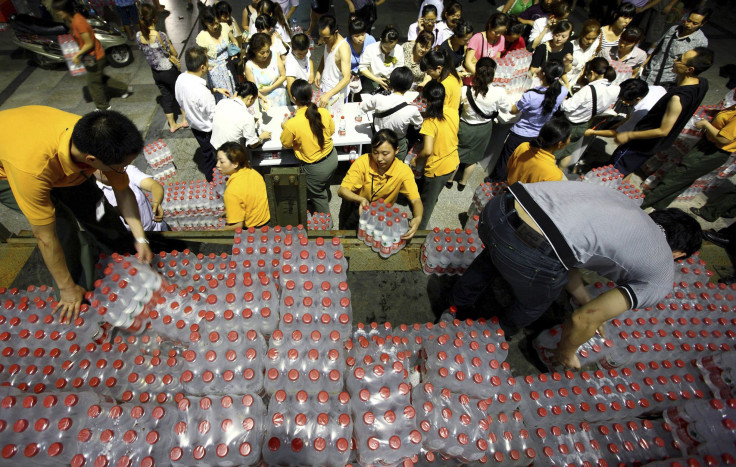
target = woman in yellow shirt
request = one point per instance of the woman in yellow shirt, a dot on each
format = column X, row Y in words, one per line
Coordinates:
column 246, row 201
column 439, row 148
column 379, row 175
column 438, row 65
column 535, row 161
column 309, row 132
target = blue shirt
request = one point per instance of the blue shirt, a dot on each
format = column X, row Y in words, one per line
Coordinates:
column 532, row 119
column 355, row 56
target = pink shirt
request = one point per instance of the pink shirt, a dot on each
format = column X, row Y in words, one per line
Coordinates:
column 483, row 49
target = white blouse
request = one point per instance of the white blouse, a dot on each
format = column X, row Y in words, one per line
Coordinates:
column 374, row 60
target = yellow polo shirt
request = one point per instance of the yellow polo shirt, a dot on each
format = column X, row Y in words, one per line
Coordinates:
column 531, row 165
column 725, row 122
column 363, row 180
column 444, row 158
column 453, row 92
column 35, row 156
column 298, row 135
column 245, row 199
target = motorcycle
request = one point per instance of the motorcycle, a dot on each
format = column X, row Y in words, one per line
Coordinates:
column 40, row 37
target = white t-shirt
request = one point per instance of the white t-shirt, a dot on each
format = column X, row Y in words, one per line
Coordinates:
column 400, row 120
column 278, row 47
column 296, row 68
column 579, row 58
column 144, row 206
column 537, row 29
column 233, row 121
column 495, row 100
column 642, row 108
column 373, row 60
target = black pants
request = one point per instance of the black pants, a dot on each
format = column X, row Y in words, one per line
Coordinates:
column 209, row 153
column 513, row 141
column 627, row 160
column 349, row 216
column 166, row 83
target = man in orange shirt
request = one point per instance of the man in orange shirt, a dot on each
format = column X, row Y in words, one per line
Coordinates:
column 101, row 87
column 47, row 162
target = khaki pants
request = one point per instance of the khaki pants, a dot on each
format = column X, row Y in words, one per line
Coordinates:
column 102, row 87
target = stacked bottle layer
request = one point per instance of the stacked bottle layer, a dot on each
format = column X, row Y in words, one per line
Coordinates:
column 512, row 72
column 193, row 205
column 69, row 48
column 610, row 177
column 319, row 221
column 450, row 252
column 381, row 226
column 160, row 160
column 483, row 194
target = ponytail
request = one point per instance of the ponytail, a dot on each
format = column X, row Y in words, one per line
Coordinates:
column 552, row 71
column 600, row 66
column 146, row 18
column 270, row 8
column 436, row 58
column 301, row 91
column 485, row 70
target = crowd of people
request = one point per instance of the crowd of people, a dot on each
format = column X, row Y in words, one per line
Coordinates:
column 536, row 235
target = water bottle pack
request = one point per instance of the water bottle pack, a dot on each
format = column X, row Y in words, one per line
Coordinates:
column 511, row 72
column 610, row 177
column 450, row 252
column 160, row 160
column 483, row 194
column 303, row 429
column 194, row 205
column 719, row 373
column 452, row 424
column 510, row 442
column 703, row 426
column 319, row 221
column 69, row 48
column 381, row 226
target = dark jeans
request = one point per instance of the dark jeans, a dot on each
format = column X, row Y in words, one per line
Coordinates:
column 512, row 142
column 702, row 159
column 627, row 160
column 75, row 206
column 166, row 83
column 536, row 277
column 209, row 153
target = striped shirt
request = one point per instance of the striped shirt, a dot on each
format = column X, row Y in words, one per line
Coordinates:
column 597, row 228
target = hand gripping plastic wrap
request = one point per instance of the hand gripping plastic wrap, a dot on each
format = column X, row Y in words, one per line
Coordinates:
column 308, row 430
column 217, row 431
column 385, row 422
column 224, row 364
column 469, row 363
column 452, row 424
column 310, row 362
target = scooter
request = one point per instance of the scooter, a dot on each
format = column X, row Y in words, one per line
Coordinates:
column 39, row 37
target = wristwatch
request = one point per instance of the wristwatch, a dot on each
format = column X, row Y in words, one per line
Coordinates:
column 141, row 240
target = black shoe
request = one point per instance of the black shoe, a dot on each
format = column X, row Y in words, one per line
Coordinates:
column 448, row 185
column 716, row 238
column 699, row 213
column 461, row 186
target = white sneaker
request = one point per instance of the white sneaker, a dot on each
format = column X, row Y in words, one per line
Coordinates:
column 109, row 107
column 127, row 93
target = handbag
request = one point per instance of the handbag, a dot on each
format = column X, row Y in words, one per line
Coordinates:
column 167, row 52
column 355, row 84
column 232, row 49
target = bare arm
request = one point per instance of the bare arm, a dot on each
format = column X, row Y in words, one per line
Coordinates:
column 351, row 7
column 538, row 40
column 470, row 61
column 576, row 287
column 712, row 131
column 128, row 207
column 427, row 147
column 417, row 210
column 348, row 195
column 674, row 108
column 157, row 193
column 89, row 44
column 343, row 57
column 508, row 6
column 70, row 294
column 234, row 226
column 290, row 13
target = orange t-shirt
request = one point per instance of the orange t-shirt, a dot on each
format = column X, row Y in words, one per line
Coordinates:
column 79, row 26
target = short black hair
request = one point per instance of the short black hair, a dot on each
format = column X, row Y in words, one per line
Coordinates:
column 463, row 28
column 516, row 28
column 633, row 88
column 264, row 22
column 300, row 42
column 702, row 11
column 683, row 231
column 63, row 5
column 357, row 26
column 389, row 34
column 195, row 57
column 631, row 34
column 427, row 9
column 554, row 131
column 560, row 9
column 223, row 8
column 401, row 79
column 246, row 88
column 702, row 61
column 208, row 16
column 327, row 21
column 385, row 136
column 108, row 135
column 626, row 10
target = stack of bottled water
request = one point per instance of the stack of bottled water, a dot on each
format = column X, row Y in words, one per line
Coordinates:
column 512, row 72
column 704, row 426
column 450, row 252
column 610, row 177
column 127, row 292
column 314, row 428
column 381, row 226
column 193, row 205
column 160, row 160
column 69, row 48
column 483, row 194
column 420, row 103
column 510, row 441
column 319, row 221
column 219, row 182
column 385, row 421
column 719, row 373
column 417, row 170
column 623, row 71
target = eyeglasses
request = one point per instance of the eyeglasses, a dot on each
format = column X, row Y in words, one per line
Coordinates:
column 117, row 171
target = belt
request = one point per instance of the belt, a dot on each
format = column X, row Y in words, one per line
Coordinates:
column 524, row 231
column 321, row 160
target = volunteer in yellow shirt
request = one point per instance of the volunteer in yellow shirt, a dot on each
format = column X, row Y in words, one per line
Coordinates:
column 438, row 65
column 534, row 161
column 379, row 175
column 439, row 148
column 246, row 200
column 707, row 155
column 309, row 132
column 47, row 163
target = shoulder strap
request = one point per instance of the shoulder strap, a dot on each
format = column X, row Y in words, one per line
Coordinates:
column 387, row 113
column 595, row 101
column 660, row 72
column 474, row 106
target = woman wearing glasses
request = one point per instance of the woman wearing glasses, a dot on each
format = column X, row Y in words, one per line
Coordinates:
column 378, row 175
